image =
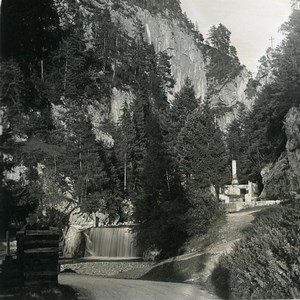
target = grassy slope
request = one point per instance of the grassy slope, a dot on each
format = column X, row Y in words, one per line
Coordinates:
column 201, row 254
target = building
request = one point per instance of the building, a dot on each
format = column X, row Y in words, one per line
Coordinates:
column 236, row 192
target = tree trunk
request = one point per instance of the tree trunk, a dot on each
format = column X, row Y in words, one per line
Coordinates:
column 42, row 69
column 125, row 175
column 115, row 61
column 65, row 75
column 168, row 180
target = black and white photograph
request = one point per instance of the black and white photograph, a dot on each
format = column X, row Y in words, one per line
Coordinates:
column 149, row 149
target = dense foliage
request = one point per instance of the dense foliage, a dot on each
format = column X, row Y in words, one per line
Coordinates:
column 157, row 6
column 222, row 61
column 56, row 100
column 202, row 153
column 261, row 130
column 265, row 264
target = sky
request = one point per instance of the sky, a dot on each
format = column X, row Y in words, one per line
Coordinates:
column 252, row 23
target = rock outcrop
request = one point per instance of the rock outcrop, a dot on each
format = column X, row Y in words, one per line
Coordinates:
column 282, row 179
column 292, row 130
column 168, row 34
column 230, row 97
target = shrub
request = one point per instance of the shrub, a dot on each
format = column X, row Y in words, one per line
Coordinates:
column 266, row 263
column 205, row 210
column 164, row 231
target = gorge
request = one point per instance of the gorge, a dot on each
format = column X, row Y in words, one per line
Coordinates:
column 105, row 109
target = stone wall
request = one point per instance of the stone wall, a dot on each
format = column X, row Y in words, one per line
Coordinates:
column 237, row 206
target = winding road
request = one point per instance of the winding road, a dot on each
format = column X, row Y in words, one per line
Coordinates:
column 99, row 288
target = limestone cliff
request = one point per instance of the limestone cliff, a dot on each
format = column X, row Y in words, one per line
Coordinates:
column 292, row 130
column 168, row 29
column 282, row 178
column 169, row 34
column 230, row 96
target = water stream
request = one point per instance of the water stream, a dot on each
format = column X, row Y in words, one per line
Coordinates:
column 118, row 242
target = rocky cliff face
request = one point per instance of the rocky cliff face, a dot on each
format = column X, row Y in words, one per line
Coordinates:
column 282, row 179
column 292, row 130
column 168, row 34
column 230, row 96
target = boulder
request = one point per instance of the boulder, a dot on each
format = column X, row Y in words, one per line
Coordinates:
column 74, row 242
column 151, row 255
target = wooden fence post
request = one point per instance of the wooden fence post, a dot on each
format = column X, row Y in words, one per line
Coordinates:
column 38, row 256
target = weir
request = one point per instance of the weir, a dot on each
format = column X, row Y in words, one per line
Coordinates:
column 111, row 242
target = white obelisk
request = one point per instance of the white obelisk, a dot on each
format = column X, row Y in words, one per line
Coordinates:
column 234, row 174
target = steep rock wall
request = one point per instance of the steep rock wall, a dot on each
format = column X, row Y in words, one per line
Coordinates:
column 167, row 35
column 292, row 130
column 230, row 97
column 282, row 179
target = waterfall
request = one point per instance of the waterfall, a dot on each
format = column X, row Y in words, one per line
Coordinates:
column 110, row 242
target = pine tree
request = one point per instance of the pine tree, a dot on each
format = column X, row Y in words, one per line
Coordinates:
column 11, row 124
column 184, row 104
column 237, row 144
column 264, row 126
column 68, row 77
column 124, row 137
column 86, row 162
column 29, row 32
column 220, row 38
column 203, row 160
column 201, row 149
column 155, row 185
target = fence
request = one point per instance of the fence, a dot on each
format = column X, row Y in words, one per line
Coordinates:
column 37, row 252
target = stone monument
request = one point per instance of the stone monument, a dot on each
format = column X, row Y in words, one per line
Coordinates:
column 234, row 173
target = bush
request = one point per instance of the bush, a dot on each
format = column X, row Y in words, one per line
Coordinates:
column 170, row 223
column 205, row 210
column 164, row 231
column 266, row 263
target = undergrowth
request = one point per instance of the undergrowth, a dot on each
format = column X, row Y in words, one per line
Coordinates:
column 265, row 264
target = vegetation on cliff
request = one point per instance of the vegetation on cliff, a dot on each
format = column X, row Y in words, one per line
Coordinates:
column 222, row 61
column 163, row 158
column 67, row 162
column 265, row 263
column 262, row 130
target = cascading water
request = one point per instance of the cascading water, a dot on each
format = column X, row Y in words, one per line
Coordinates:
column 111, row 242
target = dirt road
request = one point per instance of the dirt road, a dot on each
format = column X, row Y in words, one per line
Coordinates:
column 120, row 289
